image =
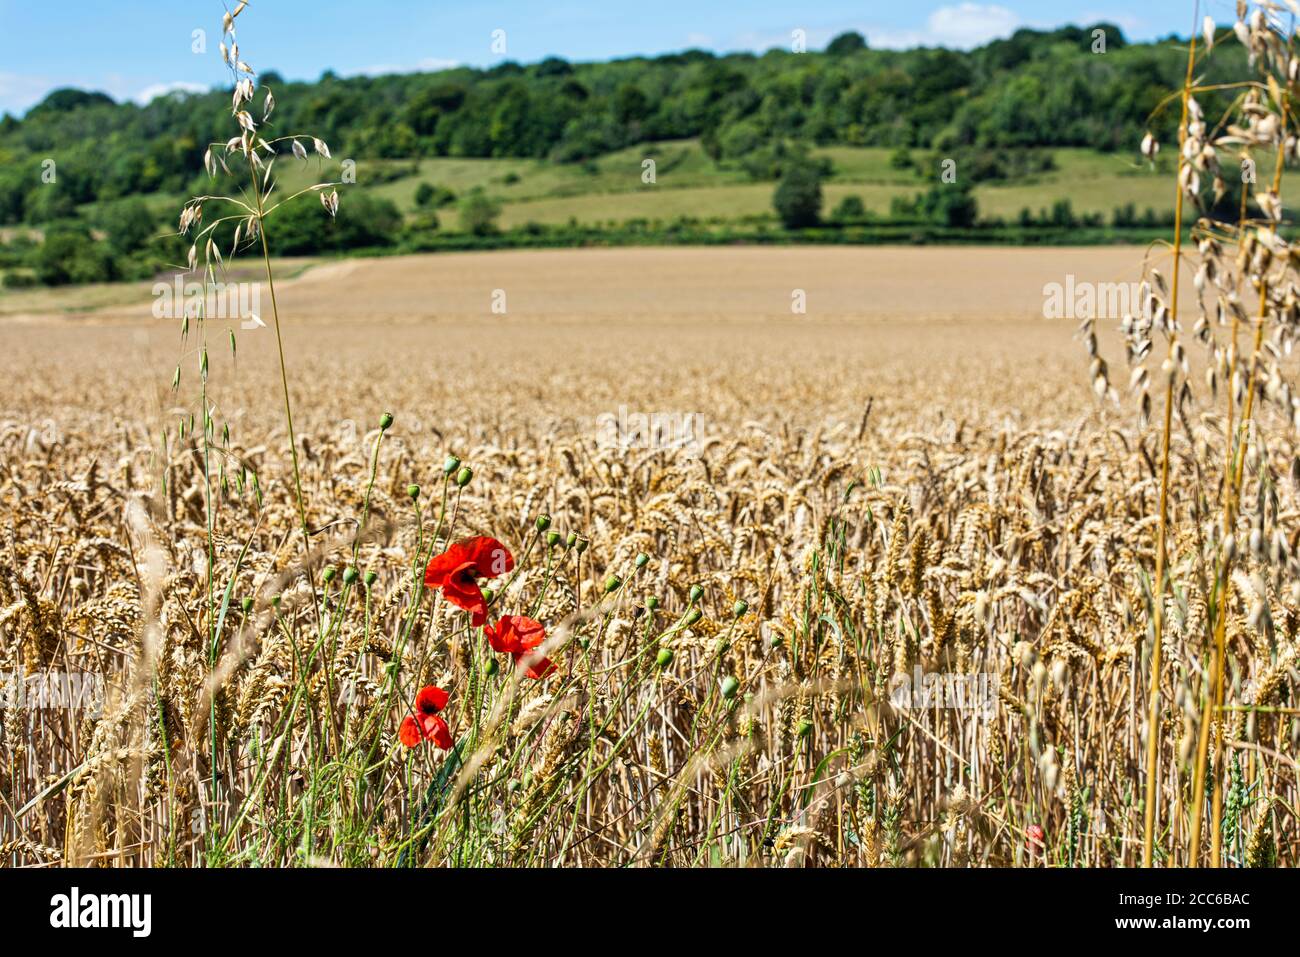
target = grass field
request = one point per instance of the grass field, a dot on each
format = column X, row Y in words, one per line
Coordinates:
column 911, row 474
column 689, row 183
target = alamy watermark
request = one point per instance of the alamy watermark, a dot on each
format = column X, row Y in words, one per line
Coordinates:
column 1094, row 300
column 962, row 692
column 658, row 431
column 54, row 690
column 211, row 300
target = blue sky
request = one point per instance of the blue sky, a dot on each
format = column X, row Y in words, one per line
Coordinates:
column 132, row 49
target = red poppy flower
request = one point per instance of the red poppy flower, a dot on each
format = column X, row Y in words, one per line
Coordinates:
column 517, row 636
column 425, row 725
column 457, row 570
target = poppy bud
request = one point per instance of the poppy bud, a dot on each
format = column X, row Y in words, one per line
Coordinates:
column 450, row 465
column 543, row 522
column 247, row 604
column 692, row 617
column 641, row 559
column 489, row 594
column 385, row 421
column 492, row 667
column 584, row 642
column 1035, row 835
column 329, row 573
column 729, row 687
column 571, row 540
column 413, row 492
column 349, row 575
column 275, row 600
column 463, row 476
column 652, row 602
column 696, row 592
column 582, row 545
column 552, row 539
column 611, row 583
column 739, row 608
column 803, row 728
column 371, row 577
column 665, row 657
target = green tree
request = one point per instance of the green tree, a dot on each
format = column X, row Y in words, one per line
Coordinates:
column 950, row 204
column 845, row 43
column 798, row 196
column 850, row 209
column 70, row 254
column 478, row 213
column 128, row 225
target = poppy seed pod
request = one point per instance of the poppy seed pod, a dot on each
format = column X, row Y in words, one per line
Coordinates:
column 371, row 577
column 450, row 465
column 571, row 540
column 349, row 575
column 275, row 600
column 696, row 593
column 652, row 602
column 413, row 492
column 739, row 608
column 329, row 573
column 492, row 667
column 729, row 687
column 612, row 583
column 642, row 559
column 692, row 617
column 552, row 539
column 489, row 594
column 543, row 522
column 385, row 421
column 803, row 728
column 463, row 476
column 665, row 657
column 582, row 545
column 247, row 604
column 1035, row 836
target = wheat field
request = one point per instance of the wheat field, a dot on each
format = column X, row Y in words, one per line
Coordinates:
column 919, row 478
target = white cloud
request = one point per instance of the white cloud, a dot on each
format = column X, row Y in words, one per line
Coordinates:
column 155, row 90
column 970, row 24
column 962, row 26
column 427, row 65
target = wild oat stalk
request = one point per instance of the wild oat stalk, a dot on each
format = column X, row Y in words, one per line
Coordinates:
column 1162, row 528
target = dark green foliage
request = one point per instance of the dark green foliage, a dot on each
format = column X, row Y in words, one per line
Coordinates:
column 478, row 213
column 850, row 210
column 1036, row 88
column 798, row 196
column 70, row 254
column 951, row 205
column 845, row 43
column 304, row 227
